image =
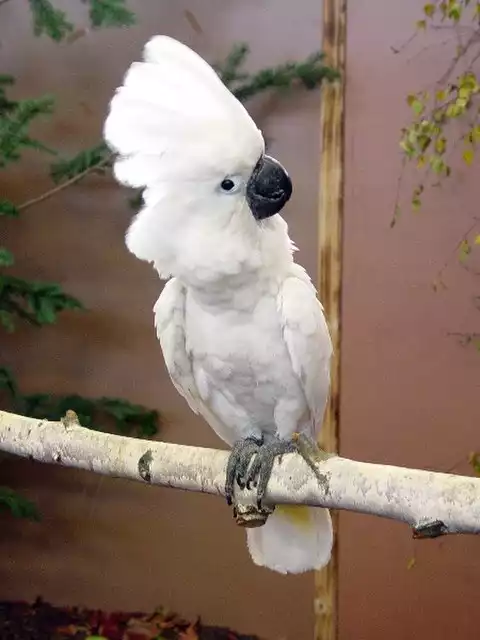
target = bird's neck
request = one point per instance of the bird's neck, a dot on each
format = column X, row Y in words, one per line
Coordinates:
column 229, row 268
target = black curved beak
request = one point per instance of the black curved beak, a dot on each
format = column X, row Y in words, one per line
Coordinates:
column 268, row 189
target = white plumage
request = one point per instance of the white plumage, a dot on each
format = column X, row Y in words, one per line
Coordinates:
column 243, row 335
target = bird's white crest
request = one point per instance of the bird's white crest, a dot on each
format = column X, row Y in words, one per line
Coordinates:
column 178, row 132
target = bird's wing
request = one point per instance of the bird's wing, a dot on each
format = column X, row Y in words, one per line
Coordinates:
column 170, row 325
column 173, row 116
column 308, row 341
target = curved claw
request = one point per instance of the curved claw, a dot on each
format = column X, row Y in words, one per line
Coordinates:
column 261, row 468
column 238, row 463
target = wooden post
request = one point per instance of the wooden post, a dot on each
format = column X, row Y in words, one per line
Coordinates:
column 330, row 224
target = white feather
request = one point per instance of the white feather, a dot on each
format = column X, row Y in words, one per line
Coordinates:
column 174, row 112
column 289, row 545
column 306, row 334
column 169, row 313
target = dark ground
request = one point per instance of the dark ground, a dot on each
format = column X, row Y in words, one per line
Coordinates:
column 43, row 621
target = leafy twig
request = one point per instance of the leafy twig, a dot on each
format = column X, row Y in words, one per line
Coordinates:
column 438, row 281
column 63, row 185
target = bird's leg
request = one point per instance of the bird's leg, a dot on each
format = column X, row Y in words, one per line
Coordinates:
column 259, row 472
column 238, row 463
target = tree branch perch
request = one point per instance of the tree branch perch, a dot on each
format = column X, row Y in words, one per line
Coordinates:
column 432, row 503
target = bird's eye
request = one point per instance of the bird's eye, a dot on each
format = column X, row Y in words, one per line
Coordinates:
column 227, row 184
column 230, row 185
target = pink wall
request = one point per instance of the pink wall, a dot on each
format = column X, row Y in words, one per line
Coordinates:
column 409, row 392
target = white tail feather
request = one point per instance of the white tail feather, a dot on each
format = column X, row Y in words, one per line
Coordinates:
column 293, row 540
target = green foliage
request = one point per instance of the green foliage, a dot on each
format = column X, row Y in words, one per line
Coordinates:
column 426, row 140
column 8, row 384
column 38, row 303
column 8, row 209
column 110, row 13
column 54, row 23
column 49, row 21
column 5, row 103
column 445, row 122
column 474, row 459
column 430, row 141
column 96, row 413
column 6, row 258
column 18, row 506
column 230, row 70
column 126, row 418
column 88, row 159
column 14, row 124
column 309, row 73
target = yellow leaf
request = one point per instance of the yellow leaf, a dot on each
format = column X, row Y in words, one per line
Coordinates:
column 412, row 137
column 477, row 239
column 468, row 156
column 417, row 107
column 454, row 11
column 476, row 133
column 421, row 24
column 437, row 163
column 429, row 10
column 440, row 145
column 464, row 250
column 411, row 563
column 421, row 161
column 453, row 111
column 468, row 81
column 424, row 143
column 441, row 95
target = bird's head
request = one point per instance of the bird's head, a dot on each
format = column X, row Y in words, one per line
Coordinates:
column 211, row 194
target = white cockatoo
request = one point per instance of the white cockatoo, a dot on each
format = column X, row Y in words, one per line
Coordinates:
column 243, row 335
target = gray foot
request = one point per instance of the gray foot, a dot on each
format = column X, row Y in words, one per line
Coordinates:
column 245, row 472
column 238, row 463
column 261, row 469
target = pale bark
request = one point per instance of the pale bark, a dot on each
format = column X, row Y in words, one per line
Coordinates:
column 443, row 503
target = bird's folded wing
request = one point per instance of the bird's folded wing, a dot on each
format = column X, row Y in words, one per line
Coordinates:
column 170, row 325
column 308, row 341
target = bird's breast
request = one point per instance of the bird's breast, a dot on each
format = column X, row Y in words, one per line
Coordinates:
column 242, row 355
